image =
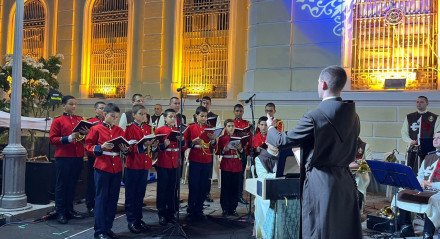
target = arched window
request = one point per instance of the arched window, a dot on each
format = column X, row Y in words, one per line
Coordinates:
column 205, row 47
column 108, row 48
column 394, row 41
column 34, row 29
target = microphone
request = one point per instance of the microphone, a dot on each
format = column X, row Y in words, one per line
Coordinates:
column 180, row 89
column 250, row 98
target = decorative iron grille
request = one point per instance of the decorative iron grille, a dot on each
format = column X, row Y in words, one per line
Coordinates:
column 34, row 29
column 205, row 47
column 108, row 54
column 394, row 40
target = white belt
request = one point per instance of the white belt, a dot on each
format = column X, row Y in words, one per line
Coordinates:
column 172, row 149
column 231, row 156
column 197, row 146
column 110, row 153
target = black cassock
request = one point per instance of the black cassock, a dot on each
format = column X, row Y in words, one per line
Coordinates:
column 328, row 137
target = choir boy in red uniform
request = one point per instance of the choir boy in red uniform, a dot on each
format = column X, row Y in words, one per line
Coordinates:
column 137, row 164
column 167, row 166
column 108, row 170
column 200, row 163
column 231, row 169
column 239, row 122
column 90, row 195
column 69, row 154
column 260, row 136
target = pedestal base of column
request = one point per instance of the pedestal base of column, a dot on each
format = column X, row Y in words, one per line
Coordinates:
column 3, row 209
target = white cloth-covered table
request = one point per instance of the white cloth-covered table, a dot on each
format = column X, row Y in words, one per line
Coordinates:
column 26, row 122
column 432, row 209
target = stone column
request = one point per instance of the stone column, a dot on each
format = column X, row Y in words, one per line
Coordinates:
column 268, row 65
column 13, row 197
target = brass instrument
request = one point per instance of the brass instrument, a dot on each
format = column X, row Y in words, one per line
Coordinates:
column 392, row 158
column 386, row 212
column 363, row 167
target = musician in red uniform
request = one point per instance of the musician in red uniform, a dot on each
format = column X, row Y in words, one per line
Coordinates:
column 270, row 109
column 200, row 163
column 259, row 138
column 137, row 163
column 167, row 166
column 90, row 195
column 69, row 154
column 108, row 170
column 241, row 123
column 231, row 169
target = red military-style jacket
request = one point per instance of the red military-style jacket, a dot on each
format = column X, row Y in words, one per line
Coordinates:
column 62, row 126
column 94, row 120
column 231, row 160
column 258, row 140
column 99, row 134
column 198, row 153
column 241, row 123
column 138, row 158
column 168, row 157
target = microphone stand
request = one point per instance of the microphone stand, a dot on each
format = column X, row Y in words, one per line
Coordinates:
column 251, row 105
column 176, row 229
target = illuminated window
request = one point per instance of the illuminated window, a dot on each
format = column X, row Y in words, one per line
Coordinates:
column 34, row 26
column 205, row 47
column 108, row 52
column 394, row 40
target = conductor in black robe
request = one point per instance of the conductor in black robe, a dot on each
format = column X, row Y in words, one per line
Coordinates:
column 327, row 136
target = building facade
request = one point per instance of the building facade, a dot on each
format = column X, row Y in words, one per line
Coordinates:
column 231, row 49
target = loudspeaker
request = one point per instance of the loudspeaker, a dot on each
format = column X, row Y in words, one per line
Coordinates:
column 39, row 182
column 381, row 224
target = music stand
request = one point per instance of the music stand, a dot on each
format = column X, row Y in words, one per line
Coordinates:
column 395, row 175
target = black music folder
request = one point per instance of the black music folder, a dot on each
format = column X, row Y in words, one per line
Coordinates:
column 84, row 124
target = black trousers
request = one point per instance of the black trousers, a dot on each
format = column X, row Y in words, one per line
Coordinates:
column 135, row 188
column 198, row 178
column 67, row 171
column 106, row 201
column 228, row 191
column 166, row 196
column 90, row 194
column 404, row 218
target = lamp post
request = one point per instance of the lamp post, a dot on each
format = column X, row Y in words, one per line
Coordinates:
column 13, row 197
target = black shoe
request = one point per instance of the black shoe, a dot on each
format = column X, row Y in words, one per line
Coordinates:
column 224, row 213
column 162, row 221
column 91, row 212
column 144, row 226
column 171, row 218
column 209, row 199
column 102, row 236
column 75, row 215
column 134, row 228
column 407, row 231
column 112, row 235
column 62, row 219
column 233, row 213
column 242, row 201
column 428, row 236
